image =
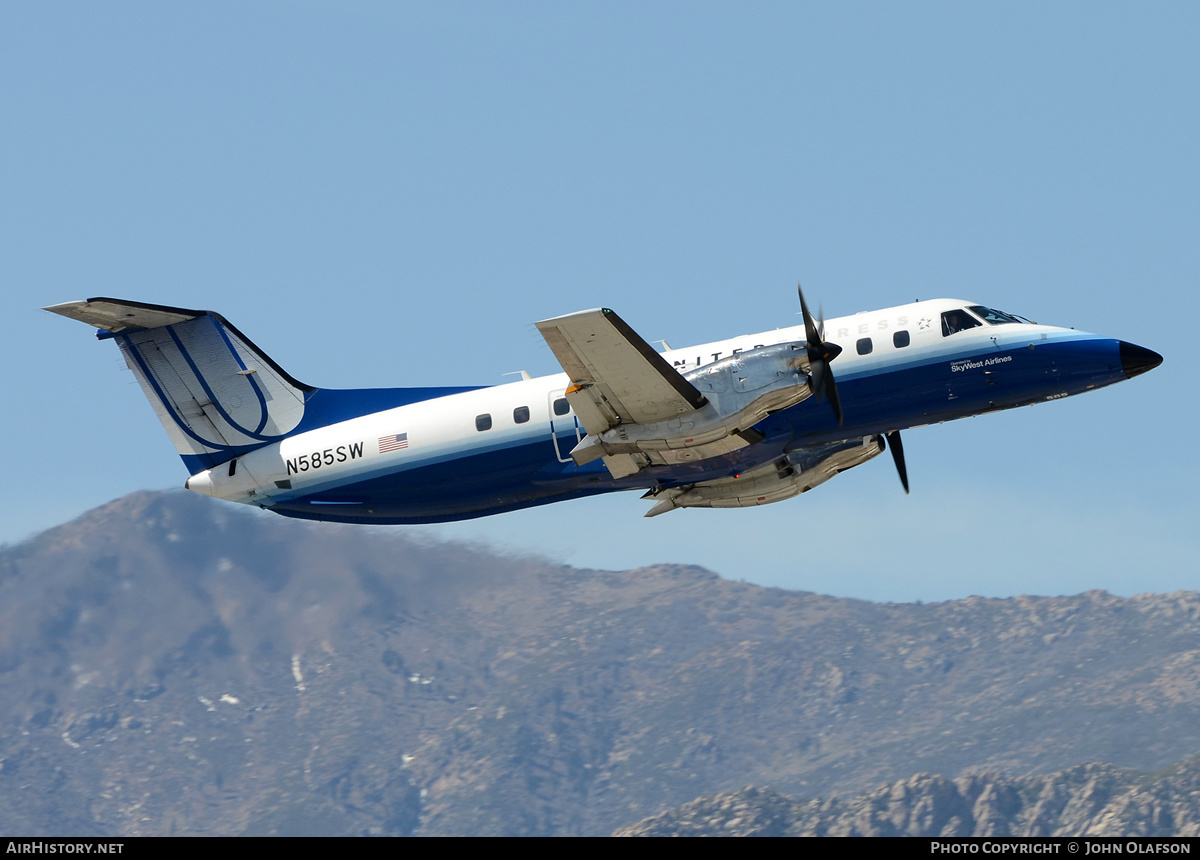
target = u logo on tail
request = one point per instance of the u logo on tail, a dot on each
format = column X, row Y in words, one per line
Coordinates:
column 215, row 392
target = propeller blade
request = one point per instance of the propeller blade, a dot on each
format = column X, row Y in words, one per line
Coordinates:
column 831, row 393
column 824, row 387
column 816, row 372
column 811, row 334
column 893, row 442
column 820, row 353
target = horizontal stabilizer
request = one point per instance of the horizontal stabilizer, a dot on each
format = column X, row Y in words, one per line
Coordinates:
column 114, row 315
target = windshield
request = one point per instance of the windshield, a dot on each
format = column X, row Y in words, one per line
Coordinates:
column 991, row 316
column 957, row 320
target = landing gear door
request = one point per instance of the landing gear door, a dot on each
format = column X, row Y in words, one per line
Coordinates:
column 562, row 423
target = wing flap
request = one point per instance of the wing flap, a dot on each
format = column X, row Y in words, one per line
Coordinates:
column 616, row 377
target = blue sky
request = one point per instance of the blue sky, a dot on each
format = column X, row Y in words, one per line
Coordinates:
column 385, row 194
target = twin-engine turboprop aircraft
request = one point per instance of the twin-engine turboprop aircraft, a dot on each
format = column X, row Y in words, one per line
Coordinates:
column 735, row 423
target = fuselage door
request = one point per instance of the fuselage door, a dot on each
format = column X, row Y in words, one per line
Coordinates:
column 562, row 422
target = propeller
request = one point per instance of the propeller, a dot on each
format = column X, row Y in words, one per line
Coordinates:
column 820, row 353
column 893, row 442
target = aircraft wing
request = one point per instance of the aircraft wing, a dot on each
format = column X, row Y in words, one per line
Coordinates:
column 616, row 377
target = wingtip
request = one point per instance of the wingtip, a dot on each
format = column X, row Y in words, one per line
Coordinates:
column 663, row 507
column 63, row 308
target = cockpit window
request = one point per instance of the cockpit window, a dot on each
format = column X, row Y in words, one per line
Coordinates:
column 956, row 321
column 993, row 316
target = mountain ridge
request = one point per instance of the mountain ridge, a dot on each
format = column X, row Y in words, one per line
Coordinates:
column 169, row 664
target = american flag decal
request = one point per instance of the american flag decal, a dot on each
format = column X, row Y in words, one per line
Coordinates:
column 393, row 443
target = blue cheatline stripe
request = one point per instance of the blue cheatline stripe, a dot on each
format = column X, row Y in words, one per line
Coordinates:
column 219, row 446
column 213, row 397
column 432, row 457
column 533, row 451
column 251, row 378
column 934, row 354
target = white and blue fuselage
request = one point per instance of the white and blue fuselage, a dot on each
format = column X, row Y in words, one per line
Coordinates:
column 425, row 455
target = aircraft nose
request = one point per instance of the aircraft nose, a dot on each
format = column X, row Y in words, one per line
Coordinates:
column 1137, row 359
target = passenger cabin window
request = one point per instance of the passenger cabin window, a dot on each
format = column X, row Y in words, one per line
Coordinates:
column 955, row 321
column 483, row 422
column 521, row 414
column 864, row 346
column 561, row 406
column 900, row 338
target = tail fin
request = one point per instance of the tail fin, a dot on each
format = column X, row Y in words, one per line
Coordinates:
column 215, row 392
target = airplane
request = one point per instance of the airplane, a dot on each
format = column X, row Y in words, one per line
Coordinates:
column 741, row 422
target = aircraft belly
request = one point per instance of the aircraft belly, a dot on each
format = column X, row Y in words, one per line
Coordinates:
column 507, row 479
column 452, row 489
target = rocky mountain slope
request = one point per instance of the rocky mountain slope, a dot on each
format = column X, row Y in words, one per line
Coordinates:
column 1088, row 800
column 171, row 664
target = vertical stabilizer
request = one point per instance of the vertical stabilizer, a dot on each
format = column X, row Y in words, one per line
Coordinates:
column 215, row 392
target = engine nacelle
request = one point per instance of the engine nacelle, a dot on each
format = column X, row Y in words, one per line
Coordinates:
column 788, row 476
column 742, row 390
